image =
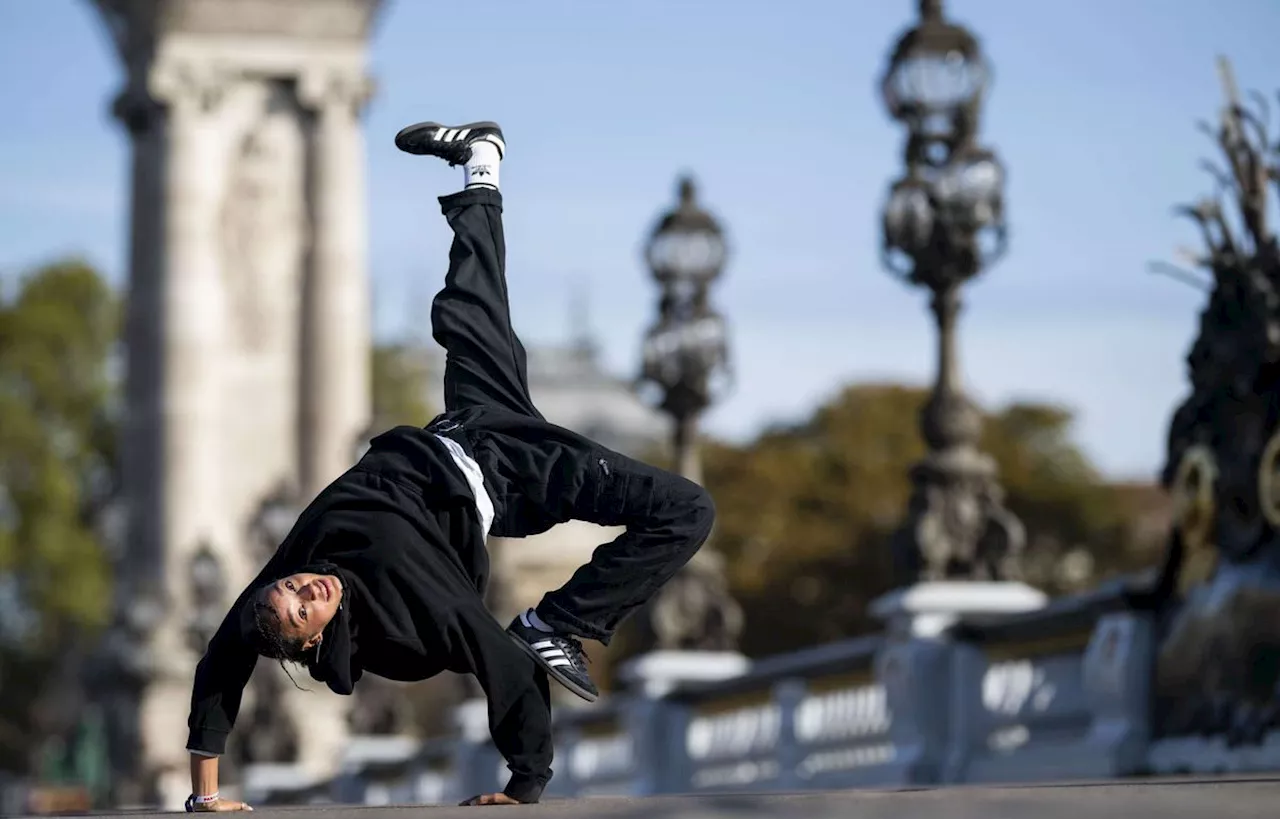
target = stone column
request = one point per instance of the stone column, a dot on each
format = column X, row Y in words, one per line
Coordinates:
column 173, row 466
column 193, row 317
column 336, row 389
column 201, row 72
column 334, row 373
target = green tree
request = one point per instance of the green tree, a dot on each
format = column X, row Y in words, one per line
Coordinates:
column 400, row 377
column 58, row 329
column 806, row 511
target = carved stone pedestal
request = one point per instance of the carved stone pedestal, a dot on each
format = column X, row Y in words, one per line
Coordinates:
column 928, row 609
column 1218, row 669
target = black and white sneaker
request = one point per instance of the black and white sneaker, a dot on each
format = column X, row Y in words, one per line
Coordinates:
column 560, row 656
column 450, row 143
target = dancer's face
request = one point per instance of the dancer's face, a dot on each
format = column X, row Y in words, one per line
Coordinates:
column 304, row 604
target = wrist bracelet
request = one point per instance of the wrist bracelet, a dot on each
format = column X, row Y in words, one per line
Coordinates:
column 193, row 801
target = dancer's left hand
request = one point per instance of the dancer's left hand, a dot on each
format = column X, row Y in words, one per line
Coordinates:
column 491, row 799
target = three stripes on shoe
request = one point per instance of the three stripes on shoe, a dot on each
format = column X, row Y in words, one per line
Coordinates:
column 448, row 135
column 547, row 649
column 549, row 652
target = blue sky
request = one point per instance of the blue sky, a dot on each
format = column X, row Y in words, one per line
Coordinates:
column 772, row 106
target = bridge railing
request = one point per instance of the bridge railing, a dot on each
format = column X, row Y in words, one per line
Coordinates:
column 816, row 716
column 1058, row 693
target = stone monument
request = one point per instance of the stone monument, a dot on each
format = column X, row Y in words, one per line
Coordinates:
column 248, row 340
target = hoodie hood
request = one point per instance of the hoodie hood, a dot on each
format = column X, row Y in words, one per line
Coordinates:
column 334, row 661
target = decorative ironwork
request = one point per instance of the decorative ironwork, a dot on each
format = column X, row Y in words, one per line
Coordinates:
column 274, row 519
column 686, row 357
column 1192, row 490
column 943, row 224
column 382, row 708
column 1219, row 663
column 208, row 592
column 686, row 352
column 694, row 611
column 275, row 736
column 1269, row 480
column 1233, row 364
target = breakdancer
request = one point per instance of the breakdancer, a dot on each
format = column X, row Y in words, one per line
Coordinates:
column 385, row 570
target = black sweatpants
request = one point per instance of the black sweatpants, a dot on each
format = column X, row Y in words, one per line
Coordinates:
column 539, row 474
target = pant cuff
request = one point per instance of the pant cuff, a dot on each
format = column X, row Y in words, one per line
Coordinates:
column 555, row 616
column 471, row 196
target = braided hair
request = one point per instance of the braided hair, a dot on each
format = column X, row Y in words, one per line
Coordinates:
column 268, row 641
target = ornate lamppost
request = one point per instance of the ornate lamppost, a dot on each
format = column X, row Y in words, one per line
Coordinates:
column 274, row 519
column 208, row 589
column 943, row 224
column 686, row 357
column 686, row 352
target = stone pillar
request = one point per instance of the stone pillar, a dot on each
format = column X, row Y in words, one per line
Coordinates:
column 192, row 319
column 223, row 98
column 174, row 468
column 336, row 390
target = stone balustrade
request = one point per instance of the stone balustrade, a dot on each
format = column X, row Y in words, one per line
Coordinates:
column 1019, row 690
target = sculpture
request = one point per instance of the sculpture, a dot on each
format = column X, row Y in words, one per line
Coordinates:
column 1220, row 662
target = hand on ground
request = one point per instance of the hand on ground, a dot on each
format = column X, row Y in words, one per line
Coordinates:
column 491, row 799
column 221, row 805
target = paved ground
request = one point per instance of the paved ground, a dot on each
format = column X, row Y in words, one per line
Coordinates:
column 1133, row 799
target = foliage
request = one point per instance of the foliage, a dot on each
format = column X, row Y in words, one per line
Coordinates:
column 399, row 386
column 58, row 329
column 56, row 441
column 806, row 511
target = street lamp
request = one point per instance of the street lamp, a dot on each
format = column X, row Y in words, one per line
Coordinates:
column 937, row 71
column 208, row 583
column 943, row 223
column 686, row 358
column 687, row 244
column 274, row 519
column 686, row 352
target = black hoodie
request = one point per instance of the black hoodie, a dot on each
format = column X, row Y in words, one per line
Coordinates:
column 401, row 531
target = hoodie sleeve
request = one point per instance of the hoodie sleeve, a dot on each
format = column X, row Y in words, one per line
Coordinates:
column 224, row 671
column 519, row 701
column 220, row 679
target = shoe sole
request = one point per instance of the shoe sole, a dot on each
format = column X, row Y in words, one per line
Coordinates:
column 551, row 672
column 418, row 128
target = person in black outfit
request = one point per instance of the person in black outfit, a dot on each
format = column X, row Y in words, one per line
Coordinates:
column 385, row 571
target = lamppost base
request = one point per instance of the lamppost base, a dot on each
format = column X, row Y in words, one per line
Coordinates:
column 658, row 672
column 694, row 611
column 927, row 609
column 957, row 526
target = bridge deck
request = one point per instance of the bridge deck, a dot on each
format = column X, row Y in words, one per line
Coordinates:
column 1219, row 798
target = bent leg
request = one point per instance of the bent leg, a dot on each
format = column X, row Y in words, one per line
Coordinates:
column 471, row 318
column 667, row 519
